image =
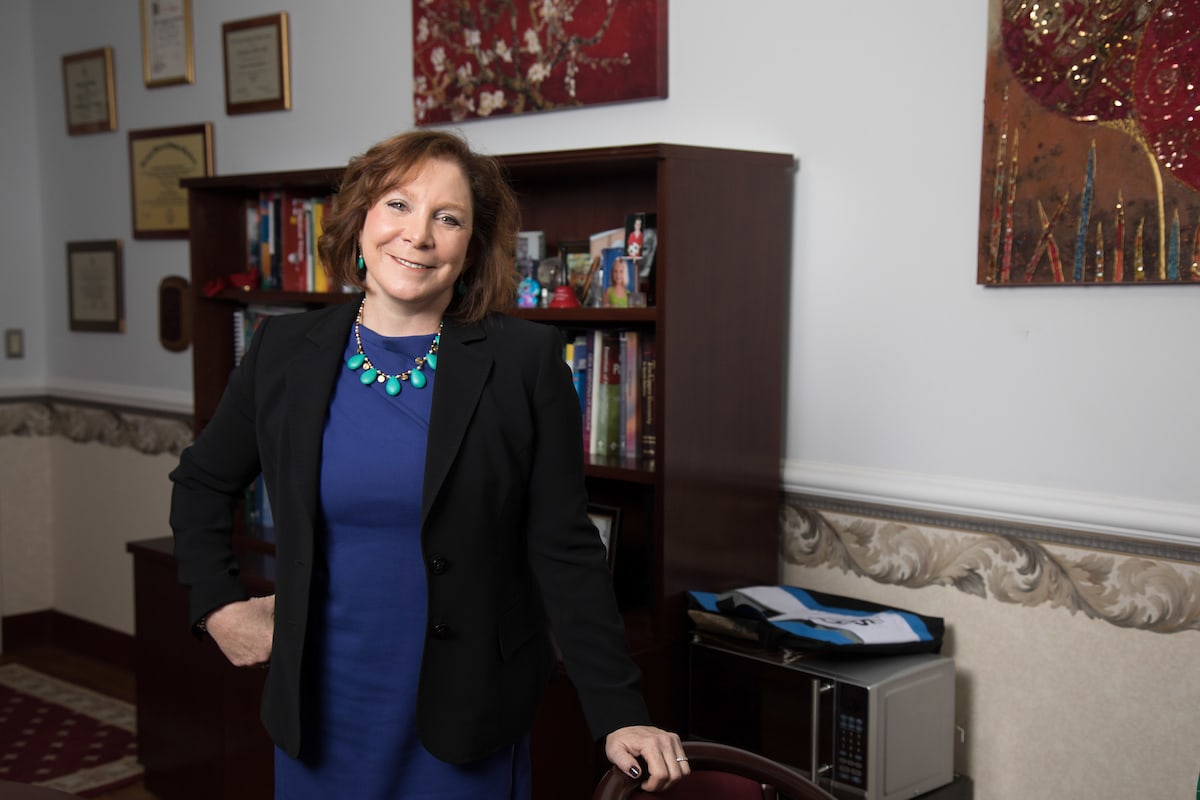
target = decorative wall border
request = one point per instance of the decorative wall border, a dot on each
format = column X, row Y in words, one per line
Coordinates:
column 1128, row 584
column 148, row 432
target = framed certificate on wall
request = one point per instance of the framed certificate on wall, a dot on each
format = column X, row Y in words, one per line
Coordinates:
column 88, row 92
column 158, row 160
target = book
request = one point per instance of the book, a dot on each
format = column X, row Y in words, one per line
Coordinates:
column 293, row 258
column 246, row 320
column 591, row 425
column 579, row 371
column 253, row 238
column 646, row 391
column 631, row 379
column 320, row 272
column 606, row 413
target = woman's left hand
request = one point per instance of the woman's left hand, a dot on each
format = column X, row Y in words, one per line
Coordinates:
column 661, row 750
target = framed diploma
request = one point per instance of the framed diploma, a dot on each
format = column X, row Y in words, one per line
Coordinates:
column 95, row 286
column 167, row 56
column 158, row 160
column 88, row 92
column 257, row 72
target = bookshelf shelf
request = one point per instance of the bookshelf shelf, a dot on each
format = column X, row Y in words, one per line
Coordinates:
column 703, row 513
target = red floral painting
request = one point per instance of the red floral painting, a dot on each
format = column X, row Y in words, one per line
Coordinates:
column 483, row 58
column 1091, row 148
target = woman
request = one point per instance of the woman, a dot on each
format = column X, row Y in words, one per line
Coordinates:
column 420, row 452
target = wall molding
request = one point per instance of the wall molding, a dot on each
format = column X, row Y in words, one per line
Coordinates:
column 149, row 399
column 147, row 432
column 1112, row 521
column 1128, row 591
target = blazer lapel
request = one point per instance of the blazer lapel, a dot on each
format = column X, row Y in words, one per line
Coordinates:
column 311, row 376
column 462, row 371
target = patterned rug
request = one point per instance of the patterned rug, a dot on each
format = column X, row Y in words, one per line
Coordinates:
column 56, row 734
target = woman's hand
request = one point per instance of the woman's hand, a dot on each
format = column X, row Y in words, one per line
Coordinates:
column 661, row 750
column 244, row 631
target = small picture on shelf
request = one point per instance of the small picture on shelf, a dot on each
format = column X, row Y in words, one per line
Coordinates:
column 576, row 259
column 641, row 242
column 531, row 249
column 619, row 281
column 607, row 521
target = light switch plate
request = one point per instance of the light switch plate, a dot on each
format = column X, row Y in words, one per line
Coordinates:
column 14, row 343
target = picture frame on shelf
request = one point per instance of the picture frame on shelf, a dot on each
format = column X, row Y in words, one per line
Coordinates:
column 257, row 64
column 607, row 520
column 641, row 244
column 159, row 158
column 95, row 286
column 89, row 92
column 168, row 56
column 576, row 259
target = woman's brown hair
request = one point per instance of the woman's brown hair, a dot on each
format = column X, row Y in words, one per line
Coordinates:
column 488, row 281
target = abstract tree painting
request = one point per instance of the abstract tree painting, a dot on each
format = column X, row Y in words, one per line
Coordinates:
column 1091, row 145
column 483, row 58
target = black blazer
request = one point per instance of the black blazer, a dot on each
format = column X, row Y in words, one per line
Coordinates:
column 505, row 533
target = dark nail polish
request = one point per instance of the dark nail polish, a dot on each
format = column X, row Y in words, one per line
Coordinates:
column 635, row 771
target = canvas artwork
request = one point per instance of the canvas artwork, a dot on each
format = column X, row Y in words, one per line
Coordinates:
column 1091, row 143
column 483, row 58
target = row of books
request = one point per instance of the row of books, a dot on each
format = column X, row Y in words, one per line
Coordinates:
column 246, row 320
column 282, row 230
column 613, row 371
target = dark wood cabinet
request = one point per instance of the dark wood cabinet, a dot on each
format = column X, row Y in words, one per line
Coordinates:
column 703, row 513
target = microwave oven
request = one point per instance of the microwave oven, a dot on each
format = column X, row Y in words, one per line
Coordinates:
column 863, row 728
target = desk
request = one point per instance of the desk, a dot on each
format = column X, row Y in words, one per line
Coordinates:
column 199, row 734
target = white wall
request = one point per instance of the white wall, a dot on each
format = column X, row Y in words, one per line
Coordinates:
column 907, row 383
column 22, row 260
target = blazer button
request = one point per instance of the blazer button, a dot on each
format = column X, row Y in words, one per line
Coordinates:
column 440, row 630
column 439, row 565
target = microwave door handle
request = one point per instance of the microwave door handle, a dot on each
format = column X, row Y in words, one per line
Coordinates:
column 818, row 688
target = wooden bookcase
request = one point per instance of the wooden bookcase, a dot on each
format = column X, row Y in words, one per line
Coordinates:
column 704, row 514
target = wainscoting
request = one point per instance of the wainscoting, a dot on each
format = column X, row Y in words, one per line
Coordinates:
column 1075, row 651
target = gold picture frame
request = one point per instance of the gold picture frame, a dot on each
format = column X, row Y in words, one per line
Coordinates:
column 257, row 64
column 159, row 159
column 168, row 56
column 89, row 91
column 96, row 286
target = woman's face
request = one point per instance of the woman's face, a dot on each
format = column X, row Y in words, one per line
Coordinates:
column 415, row 238
column 621, row 273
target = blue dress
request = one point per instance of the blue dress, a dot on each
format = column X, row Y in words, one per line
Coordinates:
column 369, row 607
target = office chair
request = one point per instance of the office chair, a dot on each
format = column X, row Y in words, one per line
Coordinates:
column 719, row 772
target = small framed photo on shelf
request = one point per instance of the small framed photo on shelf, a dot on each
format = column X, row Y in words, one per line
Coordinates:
column 167, row 55
column 641, row 243
column 158, row 159
column 89, row 93
column 576, row 259
column 607, row 520
column 257, row 64
column 531, row 249
column 95, row 286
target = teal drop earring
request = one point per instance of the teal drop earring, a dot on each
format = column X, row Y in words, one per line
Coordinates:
column 361, row 265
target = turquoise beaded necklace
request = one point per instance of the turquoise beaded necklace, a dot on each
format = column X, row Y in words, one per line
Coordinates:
column 391, row 383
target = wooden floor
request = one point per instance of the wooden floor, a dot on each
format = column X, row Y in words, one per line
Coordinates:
column 95, row 675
